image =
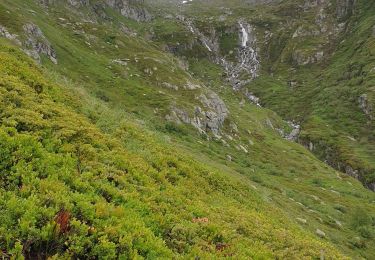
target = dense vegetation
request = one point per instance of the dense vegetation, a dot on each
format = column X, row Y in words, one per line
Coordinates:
column 69, row 190
column 90, row 168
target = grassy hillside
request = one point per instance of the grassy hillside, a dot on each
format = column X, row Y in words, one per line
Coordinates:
column 69, row 190
column 331, row 98
column 91, row 169
column 326, row 97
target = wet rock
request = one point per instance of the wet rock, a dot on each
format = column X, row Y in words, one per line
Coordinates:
column 240, row 71
column 209, row 41
column 247, row 58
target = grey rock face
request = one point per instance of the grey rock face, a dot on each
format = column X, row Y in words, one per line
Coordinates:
column 365, row 105
column 6, row 34
column 252, row 98
column 296, row 130
column 75, row 3
column 210, row 41
column 301, row 58
column 344, row 8
column 351, row 172
column 78, row 3
column 131, row 9
column 209, row 118
column 372, row 186
column 37, row 43
column 215, row 114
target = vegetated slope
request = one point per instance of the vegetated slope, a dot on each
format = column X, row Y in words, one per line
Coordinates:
column 115, row 68
column 316, row 68
column 69, row 190
column 333, row 98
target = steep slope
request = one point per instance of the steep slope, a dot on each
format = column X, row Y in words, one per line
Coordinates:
column 257, row 195
column 68, row 190
column 314, row 66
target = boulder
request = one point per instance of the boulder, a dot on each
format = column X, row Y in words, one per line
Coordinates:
column 302, row 220
column 320, row 233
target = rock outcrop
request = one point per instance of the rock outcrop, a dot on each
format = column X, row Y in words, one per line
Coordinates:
column 75, row 3
column 209, row 42
column 301, row 58
column 208, row 118
column 6, row 34
column 293, row 135
column 78, row 3
column 37, row 44
column 344, row 8
column 132, row 9
column 215, row 114
column 365, row 105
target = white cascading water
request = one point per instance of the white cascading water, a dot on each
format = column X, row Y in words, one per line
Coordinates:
column 246, row 67
column 247, row 59
column 202, row 37
column 245, row 35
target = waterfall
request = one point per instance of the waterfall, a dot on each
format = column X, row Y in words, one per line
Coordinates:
column 247, row 60
column 206, row 44
column 246, row 66
column 200, row 35
column 245, row 35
